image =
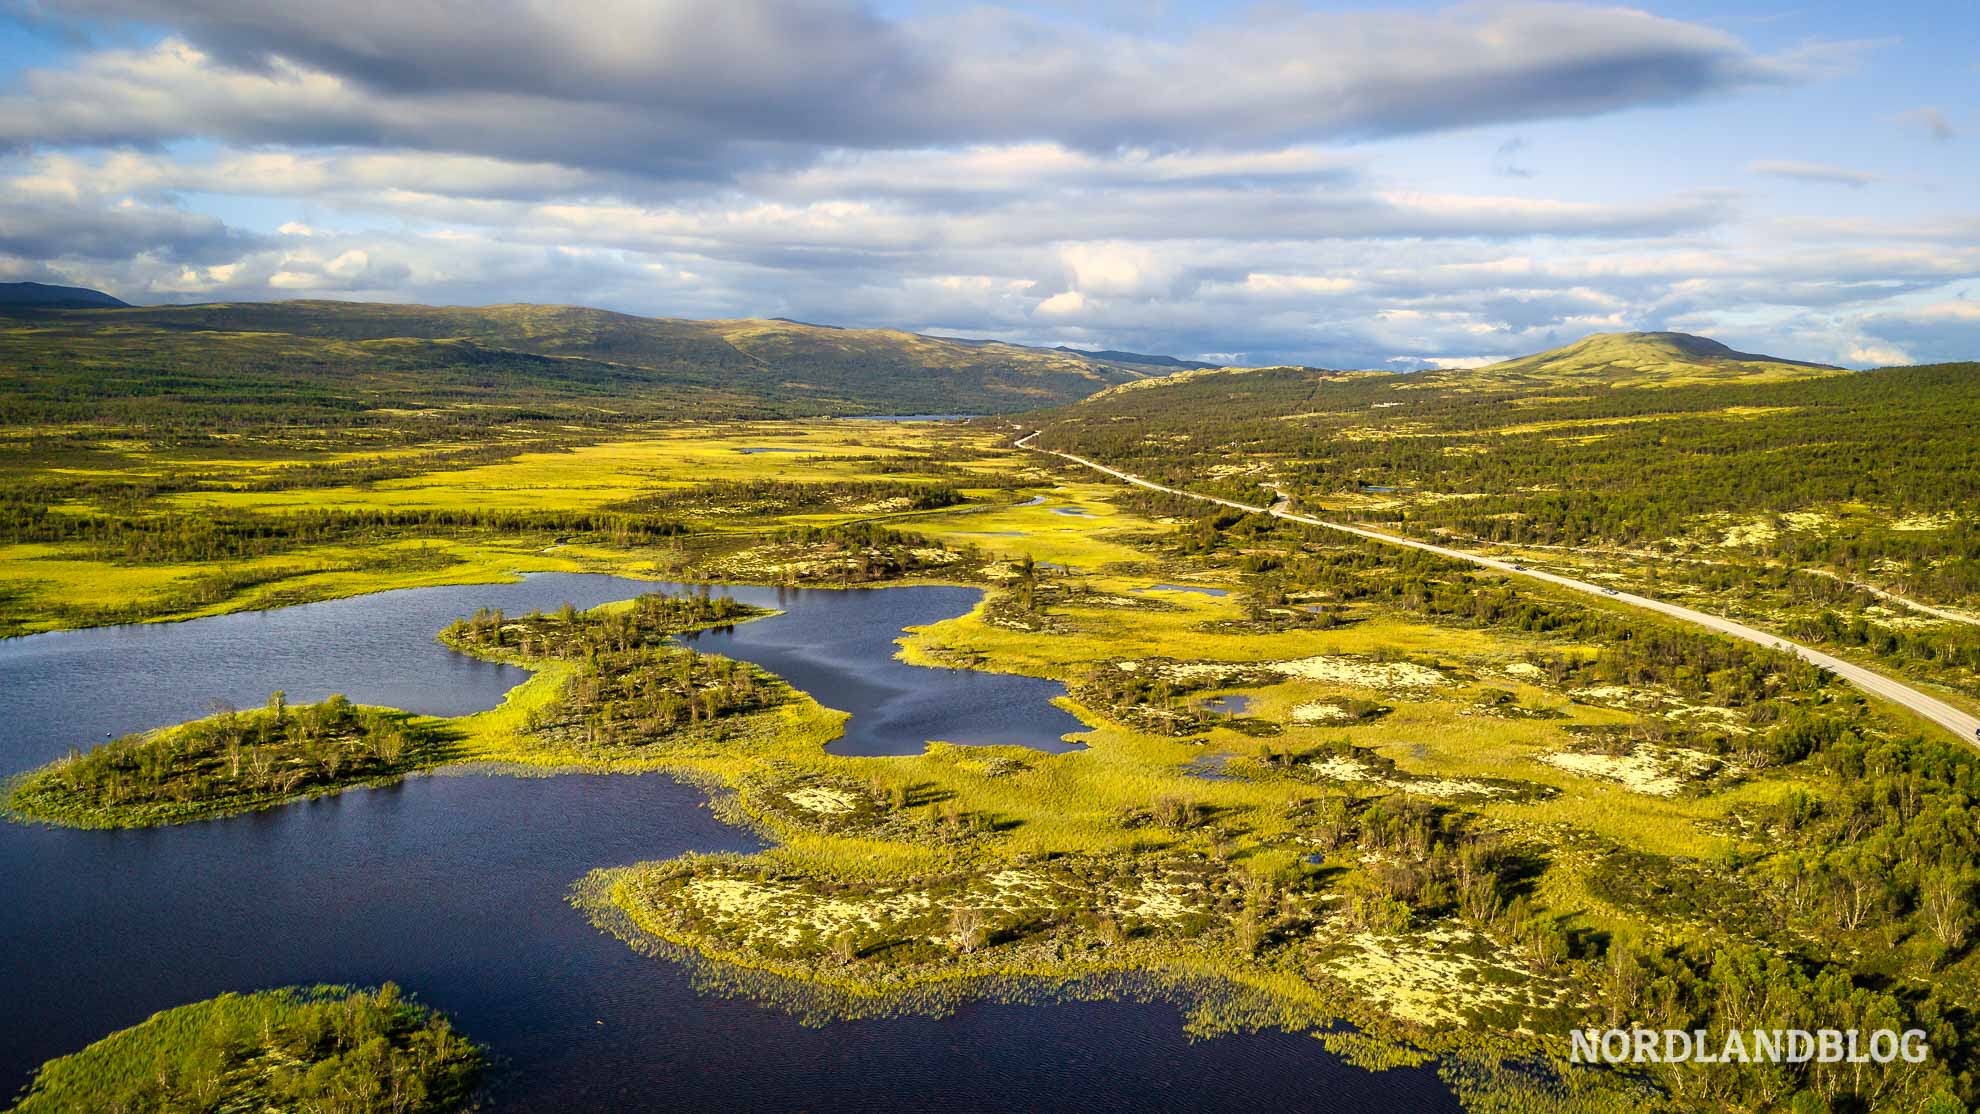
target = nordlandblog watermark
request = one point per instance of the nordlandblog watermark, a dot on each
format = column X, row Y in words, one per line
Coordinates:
column 1747, row 1046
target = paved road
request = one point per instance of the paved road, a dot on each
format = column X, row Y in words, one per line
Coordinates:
column 1965, row 726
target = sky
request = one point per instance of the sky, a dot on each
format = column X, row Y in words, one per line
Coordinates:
column 1367, row 185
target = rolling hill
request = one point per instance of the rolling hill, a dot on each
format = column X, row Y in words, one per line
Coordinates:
column 357, row 356
column 1641, row 360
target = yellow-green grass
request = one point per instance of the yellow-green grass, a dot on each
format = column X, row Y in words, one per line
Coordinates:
column 591, row 476
column 57, row 588
column 1184, row 630
column 1016, row 529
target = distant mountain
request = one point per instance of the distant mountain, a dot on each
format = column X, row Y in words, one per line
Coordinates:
column 1138, row 358
column 1597, row 362
column 56, row 297
column 446, row 355
column 1641, row 360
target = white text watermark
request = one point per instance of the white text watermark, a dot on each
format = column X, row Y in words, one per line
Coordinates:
column 1748, row 1046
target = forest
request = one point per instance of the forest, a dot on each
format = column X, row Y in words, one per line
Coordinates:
column 1576, row 465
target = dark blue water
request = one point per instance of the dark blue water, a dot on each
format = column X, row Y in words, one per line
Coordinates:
column 1199, row 590
column 455, row 886
column 78, row 687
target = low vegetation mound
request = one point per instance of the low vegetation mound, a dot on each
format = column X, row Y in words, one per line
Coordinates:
column 630, row 698
column 229, row 763
column 322, row 1048
column 938, row 926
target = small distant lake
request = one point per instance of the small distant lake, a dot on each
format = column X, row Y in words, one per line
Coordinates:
column 753, row 450
column 1209, row 767
column 908, row 417
column 1236, row 704
column 454, row 884
column 1201, row 591
column 1076, row 512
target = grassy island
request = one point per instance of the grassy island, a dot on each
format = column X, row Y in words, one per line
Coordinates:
column 639, row 624
column 233, row 762
column 314, row 1048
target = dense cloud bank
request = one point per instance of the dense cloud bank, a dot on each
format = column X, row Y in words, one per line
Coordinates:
column 1241, row 189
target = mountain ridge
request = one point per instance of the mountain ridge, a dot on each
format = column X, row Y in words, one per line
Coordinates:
column 766, row 365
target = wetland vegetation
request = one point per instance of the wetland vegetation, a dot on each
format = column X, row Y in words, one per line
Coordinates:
column 1456, row 810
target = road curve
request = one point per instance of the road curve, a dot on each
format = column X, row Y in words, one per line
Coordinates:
column 1966, row 727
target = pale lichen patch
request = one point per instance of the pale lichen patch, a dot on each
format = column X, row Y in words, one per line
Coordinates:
column 1655, row 771
column 1429, row 977
column 1320, row 712
column 822, row 799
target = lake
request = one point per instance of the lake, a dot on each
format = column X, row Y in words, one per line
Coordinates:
column 455, row 885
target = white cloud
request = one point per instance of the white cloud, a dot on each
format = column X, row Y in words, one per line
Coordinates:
column 1303, row 285
column 1814, row 172
column 699, row 87
column 1877, row 355
column 1237, row 186
column 1063, row 304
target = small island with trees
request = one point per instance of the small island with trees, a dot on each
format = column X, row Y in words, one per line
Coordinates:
column 328, row 1048
column 229, row 763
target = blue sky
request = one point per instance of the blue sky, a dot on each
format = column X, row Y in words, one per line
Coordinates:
column 1368, row 185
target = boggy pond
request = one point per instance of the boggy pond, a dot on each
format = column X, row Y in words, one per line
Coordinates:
column 456, row 885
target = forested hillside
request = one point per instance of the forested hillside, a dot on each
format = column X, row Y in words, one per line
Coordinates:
column 1834, row 508
column 348, row 362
